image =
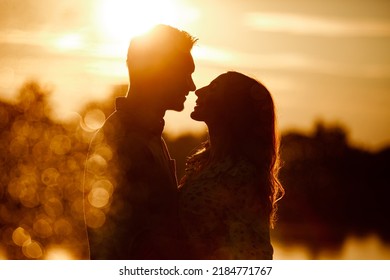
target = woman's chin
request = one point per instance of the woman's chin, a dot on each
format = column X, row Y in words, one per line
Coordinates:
column 195, row 116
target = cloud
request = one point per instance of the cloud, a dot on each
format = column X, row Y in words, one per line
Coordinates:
column 319, row 26
column 30, row 15
column 288, row 61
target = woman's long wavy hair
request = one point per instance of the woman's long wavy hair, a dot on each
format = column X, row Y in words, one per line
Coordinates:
column 251, row 122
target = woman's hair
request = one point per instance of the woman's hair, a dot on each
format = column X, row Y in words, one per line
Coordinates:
column 251, row 126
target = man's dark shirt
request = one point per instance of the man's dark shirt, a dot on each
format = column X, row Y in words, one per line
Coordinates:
column 140, row 219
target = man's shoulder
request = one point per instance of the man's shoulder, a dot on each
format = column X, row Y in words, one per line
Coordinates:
column 116, row 132
column 122, row 125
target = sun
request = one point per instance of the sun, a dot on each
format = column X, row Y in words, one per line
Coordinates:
column 125, row 18
column 117, row 21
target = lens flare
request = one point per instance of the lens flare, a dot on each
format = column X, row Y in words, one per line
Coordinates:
column 98, row 197
column 53, row 207
column 60, row 144
column 29, row 196
column 77, row 209
column 49, row 176
column 19, row 146
column 32, row 249
column 42, row 228
column 94, row 119
column 104, row 184
column 97, row 164
column 105, row 151
column 95, row 217
column 63, row 227
column 20, row 235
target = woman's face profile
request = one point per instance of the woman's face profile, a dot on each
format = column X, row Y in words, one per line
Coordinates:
column 210, row 105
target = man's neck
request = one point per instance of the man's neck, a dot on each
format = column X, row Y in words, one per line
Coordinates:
column 146, row 107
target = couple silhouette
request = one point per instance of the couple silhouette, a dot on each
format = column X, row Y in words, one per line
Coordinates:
column 224, row 206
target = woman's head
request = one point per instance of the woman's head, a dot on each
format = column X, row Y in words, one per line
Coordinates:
column 240, row 110
column 236, row 105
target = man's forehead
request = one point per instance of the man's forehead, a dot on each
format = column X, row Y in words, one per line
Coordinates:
column 185, row 61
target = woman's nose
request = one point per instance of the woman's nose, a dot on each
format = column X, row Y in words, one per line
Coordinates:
column 200, row 91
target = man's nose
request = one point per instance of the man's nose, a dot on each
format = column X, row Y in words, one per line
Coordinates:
column 191, row 84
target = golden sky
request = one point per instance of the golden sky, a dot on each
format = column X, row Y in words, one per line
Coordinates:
column 320, row 59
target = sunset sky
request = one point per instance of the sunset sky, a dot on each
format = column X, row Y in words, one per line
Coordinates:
column 326, row 60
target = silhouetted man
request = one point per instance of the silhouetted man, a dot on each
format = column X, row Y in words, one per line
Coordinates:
column 131, row 186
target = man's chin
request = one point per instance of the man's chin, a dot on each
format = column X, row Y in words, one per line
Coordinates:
column 176, row 107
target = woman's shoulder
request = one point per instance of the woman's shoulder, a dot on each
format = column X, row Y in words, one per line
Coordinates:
column 241, row 171
column 229, row 167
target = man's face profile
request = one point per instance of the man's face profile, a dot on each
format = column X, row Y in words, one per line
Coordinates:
column 176, row 81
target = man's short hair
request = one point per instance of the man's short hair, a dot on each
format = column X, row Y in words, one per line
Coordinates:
column 157, row 48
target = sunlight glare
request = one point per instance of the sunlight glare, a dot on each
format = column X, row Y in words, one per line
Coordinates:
column 69, row 42
column 320, row 26
column 120, row 18
column 58, row 253
column 215, row 55
column 290, row 252
column 370, row 247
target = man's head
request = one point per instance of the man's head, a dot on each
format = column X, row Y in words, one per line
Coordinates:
column 160, row 65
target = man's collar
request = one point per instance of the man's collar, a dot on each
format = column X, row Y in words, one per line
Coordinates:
column 134, row 116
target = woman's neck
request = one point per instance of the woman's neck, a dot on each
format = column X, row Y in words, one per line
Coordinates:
column 220, row 144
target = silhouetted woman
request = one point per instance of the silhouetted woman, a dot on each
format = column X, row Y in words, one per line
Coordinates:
column 229, row 192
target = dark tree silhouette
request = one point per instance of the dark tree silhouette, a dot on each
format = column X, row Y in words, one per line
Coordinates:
column 332, row 189
column 41, row 170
